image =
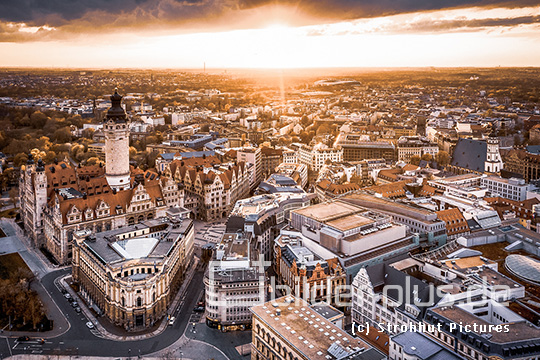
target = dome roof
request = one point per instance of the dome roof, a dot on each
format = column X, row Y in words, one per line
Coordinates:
column 524, row 267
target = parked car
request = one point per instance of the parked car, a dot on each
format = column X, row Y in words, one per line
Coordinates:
column 78, row 310
column 199, row 309
column 67, row 296
column 89, row 325
column 171, row 321
column 75, row 304
column 23, row 338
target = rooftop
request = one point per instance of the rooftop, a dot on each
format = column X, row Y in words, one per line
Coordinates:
column 310, row 333
column 135, row 248
column 329, row 211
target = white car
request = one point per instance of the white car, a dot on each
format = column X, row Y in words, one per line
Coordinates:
column 89, row 325
column 171, row 320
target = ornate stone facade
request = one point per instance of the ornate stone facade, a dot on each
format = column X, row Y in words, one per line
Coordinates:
column 131, row 275
column 59, row 199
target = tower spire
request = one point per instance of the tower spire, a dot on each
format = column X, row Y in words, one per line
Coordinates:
column 116, row 129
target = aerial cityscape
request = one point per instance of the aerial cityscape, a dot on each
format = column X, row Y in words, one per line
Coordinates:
column 216, row 180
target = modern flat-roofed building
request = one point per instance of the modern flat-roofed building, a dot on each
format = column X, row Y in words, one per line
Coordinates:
column 356, row 149
column 513, row 189
column 252, row 155
column 132, row 274
column 287, row 328
column 234, row 282
column 98, row 149
column 356, row 235
column 431, row 230
column 263, row 215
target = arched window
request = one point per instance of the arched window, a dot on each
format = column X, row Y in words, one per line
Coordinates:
column 150, row 216
column 123, row 301
column 139, row 301
column 131, row 221
column 141, row 218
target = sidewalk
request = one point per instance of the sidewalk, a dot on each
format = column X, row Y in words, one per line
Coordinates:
column 61, row 324
column 33, row 257
column 122, row 335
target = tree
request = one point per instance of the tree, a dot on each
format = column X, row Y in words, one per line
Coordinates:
column 49, row 157
column 88, row 133
column 38, row 120
column 94, row 160
column 442, row 158
column 13, row 196
column 20, row 159
column 427, row 157
column 415, row 160
column 62, row 135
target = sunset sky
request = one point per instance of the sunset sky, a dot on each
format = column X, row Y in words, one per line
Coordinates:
column 268, row 34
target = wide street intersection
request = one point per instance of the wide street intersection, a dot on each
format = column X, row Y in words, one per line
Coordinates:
column 76, row 339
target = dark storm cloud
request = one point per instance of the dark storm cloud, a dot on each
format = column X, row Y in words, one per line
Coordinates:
column 58, row 12
column 466, row 24
column 70, row 17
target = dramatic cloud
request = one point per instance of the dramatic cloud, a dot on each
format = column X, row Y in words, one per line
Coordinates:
column 57, row 19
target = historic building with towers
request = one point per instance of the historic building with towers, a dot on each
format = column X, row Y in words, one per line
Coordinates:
column 477, row 156
column 60, row 199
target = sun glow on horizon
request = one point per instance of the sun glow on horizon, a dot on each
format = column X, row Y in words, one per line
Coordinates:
column 393, row 41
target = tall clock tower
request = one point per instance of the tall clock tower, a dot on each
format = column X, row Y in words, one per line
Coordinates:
column 116, row 128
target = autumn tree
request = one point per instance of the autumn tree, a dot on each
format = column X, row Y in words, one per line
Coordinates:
column 62, row 135
column 415, row 160
column 442, row 158
column 13, row 196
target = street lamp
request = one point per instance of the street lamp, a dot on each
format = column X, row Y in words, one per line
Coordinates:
column 129, row 353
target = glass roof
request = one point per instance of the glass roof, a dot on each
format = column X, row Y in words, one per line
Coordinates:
column 135, row 248
column 524, row 266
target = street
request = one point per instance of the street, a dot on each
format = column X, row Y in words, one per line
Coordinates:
column 71, row 336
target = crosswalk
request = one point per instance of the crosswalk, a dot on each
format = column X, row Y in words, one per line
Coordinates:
column 33, row 346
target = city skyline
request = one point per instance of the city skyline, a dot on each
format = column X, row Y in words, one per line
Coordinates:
column 169, row 34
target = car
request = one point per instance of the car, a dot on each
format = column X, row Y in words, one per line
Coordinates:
column 41, row 341
column 171, row 320
column 78, row 310
column 23, row 338
column 89, row 325
column 199, row 309
column 75, row 304
column 63, row 291
column 67, row 296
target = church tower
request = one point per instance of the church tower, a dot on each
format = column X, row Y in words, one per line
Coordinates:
column 494, row 162
column 116, row 129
